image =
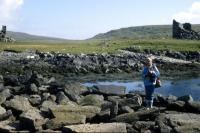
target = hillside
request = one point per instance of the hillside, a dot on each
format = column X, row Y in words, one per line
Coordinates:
column 141, row 32
column 24, row 37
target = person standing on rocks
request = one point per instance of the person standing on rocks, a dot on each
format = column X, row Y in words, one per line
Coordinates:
column 149, row 75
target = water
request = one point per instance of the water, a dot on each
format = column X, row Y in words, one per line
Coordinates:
column 174, row 87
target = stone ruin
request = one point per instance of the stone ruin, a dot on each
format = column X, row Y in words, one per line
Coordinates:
column 3, row 33
column 3, row 37
column 184, row 31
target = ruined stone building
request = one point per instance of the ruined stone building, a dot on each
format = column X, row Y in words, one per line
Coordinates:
column 3, row 33
column 184, row 31
column 3, row 37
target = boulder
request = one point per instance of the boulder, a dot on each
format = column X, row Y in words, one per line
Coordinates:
column 144, row 125
column 193, row 107
column 43, row 88
column 33, row 89
column 61, row 98
column 95, row 100
column 137, row 116
column 18, row 104
column 109, row 89
column 64, row 118
column 125, row 109
column 92, row 128
column 88, row 111
column 6, row 115
column 177, row 106
column 178, row 122
column 2, row 110
column 11, row 80
column 35, row 100
column 103, row 116
column 31, row 120
column 133, row 102
column 47, row 105
column 74, row 90
column 4, row 95
column 186, row 98
column 7, row 126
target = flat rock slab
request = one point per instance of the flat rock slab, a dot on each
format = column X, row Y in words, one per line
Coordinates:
column 110, row 89
column 102, row 127
column 179, row 122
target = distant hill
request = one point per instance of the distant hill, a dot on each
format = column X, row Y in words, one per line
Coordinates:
column 24, row 37
column 141, row 32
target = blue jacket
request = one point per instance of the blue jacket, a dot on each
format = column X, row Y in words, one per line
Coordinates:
column 150, row 80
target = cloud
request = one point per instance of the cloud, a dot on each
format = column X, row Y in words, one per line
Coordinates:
column 192, row 14
column 8, row 10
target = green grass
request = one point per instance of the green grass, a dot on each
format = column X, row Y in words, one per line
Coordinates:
column 100, row 46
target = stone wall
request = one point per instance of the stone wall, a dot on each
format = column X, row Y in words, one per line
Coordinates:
column 184, row 31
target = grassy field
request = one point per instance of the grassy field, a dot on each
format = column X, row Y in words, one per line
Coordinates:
column 100, row 46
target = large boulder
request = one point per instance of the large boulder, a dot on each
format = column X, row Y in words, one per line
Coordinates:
column 47, row 105
column 177, row 106
column 7, row 126
column 109, row 89
column 65, row 118
column 61, row 98
column 70, row 114
column 186, row 98
column 193, row 107
column 92, row 128
column 4, row 95
column 31, row 120
column 2, row 110
column 35, row 100
column 88, row 111
column 137, row 116
column 95, row 100
column 143, row 125
column 74, row 90
column 178, row 122
column 18, row 104
column 11, row 80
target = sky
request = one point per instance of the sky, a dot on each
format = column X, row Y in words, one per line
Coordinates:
column 82, row 19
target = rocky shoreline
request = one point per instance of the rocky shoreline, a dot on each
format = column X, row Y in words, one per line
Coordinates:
column 33, row 99
column 34, row 103
column 69, row 64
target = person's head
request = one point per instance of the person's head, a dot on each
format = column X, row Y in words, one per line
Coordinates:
column 148, row 61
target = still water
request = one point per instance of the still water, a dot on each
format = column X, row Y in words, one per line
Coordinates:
column 174, row 87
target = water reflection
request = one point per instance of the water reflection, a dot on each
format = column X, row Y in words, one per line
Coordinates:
column 174, row 87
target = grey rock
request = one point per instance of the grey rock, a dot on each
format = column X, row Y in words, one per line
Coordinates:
column 2, row 110
column 177, row 106
column 92, row 128
column 18, row 103
column 35, row 100
column 31, row 120
column 11, row 80
column 74, row 90
column 109, row 89
column 186, row 98
column 6, row 115
column 144, row 125
column 125, row 109
column 178, row 122
column 92, row 99
column 7, row 126
column 193, row 107
column 137, row 116
column 61, row 98
column 4, row 95
column 33, row 89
